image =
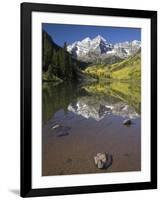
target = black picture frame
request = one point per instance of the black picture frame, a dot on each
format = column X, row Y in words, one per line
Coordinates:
column 26, row 103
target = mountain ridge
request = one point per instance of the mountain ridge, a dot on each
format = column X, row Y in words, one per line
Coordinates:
column 98, row 50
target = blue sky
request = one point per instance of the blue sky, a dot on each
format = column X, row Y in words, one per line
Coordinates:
column 61, row 33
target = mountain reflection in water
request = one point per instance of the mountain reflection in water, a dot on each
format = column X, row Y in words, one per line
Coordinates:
column 93, row 100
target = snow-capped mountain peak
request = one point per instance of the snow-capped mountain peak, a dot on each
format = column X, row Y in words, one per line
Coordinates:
column 136, row 42
column 87, row 39
column 99, row 38
column 98, row 48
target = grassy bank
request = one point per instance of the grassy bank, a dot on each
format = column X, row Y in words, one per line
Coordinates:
column 126, row 70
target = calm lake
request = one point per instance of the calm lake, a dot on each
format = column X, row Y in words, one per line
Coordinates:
column 80, row 121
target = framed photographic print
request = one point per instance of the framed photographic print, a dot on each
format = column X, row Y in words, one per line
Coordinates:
column 88, row 99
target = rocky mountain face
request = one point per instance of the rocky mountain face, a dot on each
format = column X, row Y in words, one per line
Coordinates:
column 99, row 50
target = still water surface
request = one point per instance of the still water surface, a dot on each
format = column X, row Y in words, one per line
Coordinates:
column 80, row 121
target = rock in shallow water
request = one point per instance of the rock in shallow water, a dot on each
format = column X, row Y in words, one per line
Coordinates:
column 127, row 122
column 55, row 126
column 63, row 134
column 60, row 130
column 103, row 160
column 100, row 164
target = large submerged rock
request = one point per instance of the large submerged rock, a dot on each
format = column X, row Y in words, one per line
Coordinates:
column 103, row 160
